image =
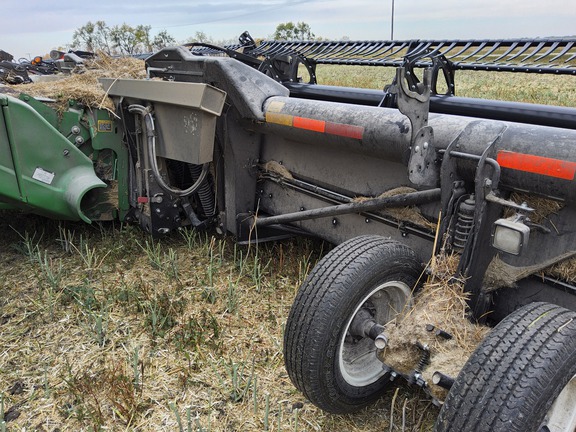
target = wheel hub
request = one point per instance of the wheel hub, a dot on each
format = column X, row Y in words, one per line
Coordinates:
column 359, row 363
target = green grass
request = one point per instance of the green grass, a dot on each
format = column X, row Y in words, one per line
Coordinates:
column 123, row 344
column 542, row 89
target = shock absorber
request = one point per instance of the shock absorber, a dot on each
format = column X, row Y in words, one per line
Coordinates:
column 464, row 223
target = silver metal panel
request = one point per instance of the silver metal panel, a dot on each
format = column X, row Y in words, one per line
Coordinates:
column 184, row 134
column 185, row 115
column 194, row 95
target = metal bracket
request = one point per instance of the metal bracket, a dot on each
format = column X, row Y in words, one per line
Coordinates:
column 413, row 102
column 286, row 67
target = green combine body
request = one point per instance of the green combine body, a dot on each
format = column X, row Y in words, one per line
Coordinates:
column 69, row 166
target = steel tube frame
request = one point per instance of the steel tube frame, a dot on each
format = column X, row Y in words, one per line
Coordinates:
column 414, row 198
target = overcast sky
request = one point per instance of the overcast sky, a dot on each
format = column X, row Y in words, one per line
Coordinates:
column 34, row 27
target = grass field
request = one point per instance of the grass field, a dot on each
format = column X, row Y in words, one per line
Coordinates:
column 542, row 89
column 103, row 328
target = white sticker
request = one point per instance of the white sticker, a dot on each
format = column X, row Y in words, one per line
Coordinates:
column 43, row 175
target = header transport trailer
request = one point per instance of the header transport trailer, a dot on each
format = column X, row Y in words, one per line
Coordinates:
column 235, row 140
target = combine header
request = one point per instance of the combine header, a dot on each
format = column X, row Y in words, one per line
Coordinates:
column 232, row 138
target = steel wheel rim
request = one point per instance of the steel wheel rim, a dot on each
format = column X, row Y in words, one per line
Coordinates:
column 359, row 364
column 561, row 416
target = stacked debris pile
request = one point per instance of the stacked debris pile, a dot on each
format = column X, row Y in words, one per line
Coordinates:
column 435, row 334
column 82, row 85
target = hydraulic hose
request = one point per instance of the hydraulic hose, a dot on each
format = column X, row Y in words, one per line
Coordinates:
column 151, row 141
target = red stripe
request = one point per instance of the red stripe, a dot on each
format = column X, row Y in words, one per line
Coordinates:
column 349, row 131
column 309, row 124
column 537, row 164
column 344, row 130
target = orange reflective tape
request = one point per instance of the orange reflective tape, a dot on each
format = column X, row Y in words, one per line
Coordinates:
column 309, row 124
column 537, row 164
column 344, row 130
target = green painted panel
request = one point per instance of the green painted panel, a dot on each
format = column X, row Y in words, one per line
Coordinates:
column 52, row 175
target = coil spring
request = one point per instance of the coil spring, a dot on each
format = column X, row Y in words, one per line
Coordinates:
column 424, row 359
column 464, row 223
column 205, row 192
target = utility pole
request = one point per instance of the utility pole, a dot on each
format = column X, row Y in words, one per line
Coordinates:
column 392, row 23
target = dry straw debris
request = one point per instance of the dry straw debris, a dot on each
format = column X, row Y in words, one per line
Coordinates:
column 277, row 168
column 411, row 213
column 544, row 209
column 441, row 304
column 565, row 270
column 82, row 85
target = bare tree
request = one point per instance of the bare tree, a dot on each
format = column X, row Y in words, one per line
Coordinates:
column 120, row 39
column 93, row 37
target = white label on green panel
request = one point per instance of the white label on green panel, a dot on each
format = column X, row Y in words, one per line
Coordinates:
column 43, row 176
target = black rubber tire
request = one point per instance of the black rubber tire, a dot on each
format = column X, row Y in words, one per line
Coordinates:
column 325, row 303
column 511, row 380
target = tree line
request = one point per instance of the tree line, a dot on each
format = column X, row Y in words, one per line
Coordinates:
column 125, row 39
column 119, row 39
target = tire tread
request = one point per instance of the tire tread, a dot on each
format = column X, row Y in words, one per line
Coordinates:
column 511, row 379
column 310, row 323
